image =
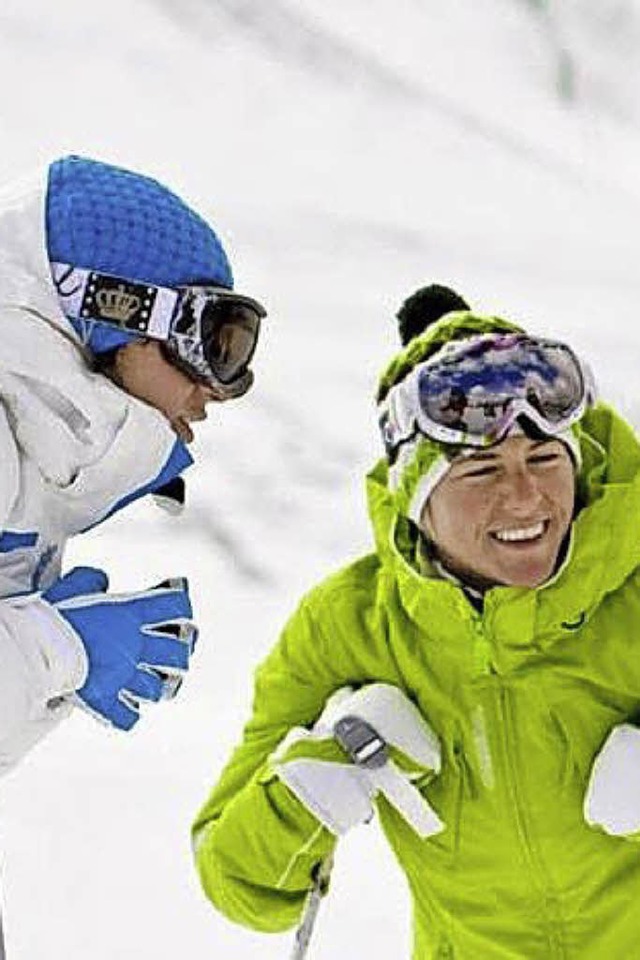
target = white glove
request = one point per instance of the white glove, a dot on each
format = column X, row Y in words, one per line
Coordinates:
column 340, row 794
column 613, row 795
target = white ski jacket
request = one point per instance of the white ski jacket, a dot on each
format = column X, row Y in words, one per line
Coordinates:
column 73, row 449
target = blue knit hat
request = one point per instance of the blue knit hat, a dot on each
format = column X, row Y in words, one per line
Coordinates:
column 117, row 222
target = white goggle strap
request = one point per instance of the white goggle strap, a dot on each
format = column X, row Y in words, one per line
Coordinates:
column 426, row 485
column 139, row 308
column 397, row 413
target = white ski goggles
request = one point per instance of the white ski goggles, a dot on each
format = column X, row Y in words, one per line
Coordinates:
column 208, row 331
column 472, row 391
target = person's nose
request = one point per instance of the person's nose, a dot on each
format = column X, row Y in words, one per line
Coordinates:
column 521, row 491
column 209, row 395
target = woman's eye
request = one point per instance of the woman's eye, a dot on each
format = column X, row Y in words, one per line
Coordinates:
column 487, row 471
column 542, row 458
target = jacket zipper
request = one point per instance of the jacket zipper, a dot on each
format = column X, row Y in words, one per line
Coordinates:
column 484, row 665
column 507, row 721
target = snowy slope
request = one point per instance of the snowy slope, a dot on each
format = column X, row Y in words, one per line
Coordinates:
column 347, row 153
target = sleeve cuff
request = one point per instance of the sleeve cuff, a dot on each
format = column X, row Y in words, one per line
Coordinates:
column 63, row 657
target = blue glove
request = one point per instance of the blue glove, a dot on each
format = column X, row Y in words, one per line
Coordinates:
column 138, row 645
column 78, row 581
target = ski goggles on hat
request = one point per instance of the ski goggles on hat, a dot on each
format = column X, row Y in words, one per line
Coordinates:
column 209, row 332
column 472, row 391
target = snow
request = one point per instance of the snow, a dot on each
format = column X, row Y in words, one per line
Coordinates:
column 347, row 153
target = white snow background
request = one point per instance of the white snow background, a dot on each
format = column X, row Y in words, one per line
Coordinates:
column 347, row 152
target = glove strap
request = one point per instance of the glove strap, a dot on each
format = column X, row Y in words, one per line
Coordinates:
column 407, row 799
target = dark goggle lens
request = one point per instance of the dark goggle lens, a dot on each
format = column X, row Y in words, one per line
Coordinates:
column 229, row 337
column 214, row 335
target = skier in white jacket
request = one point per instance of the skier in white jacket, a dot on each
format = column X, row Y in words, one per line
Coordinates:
column 119, row 325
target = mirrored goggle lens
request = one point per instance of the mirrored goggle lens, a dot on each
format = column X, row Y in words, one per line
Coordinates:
column 475, row 390
column 229, row 334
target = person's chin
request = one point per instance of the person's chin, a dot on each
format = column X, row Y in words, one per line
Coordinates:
column 526, row 571
column 183, row 430
column 524, row 564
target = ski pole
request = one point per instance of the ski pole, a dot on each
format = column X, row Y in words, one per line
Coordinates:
column 2, row 951
column 367, row 749
column 320, row 886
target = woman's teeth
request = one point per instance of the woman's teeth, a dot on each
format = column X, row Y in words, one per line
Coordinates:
column 520, row 534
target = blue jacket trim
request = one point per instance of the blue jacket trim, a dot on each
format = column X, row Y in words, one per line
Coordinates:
column 14, row 541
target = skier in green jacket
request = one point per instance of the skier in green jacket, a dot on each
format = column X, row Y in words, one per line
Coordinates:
column 464, row 678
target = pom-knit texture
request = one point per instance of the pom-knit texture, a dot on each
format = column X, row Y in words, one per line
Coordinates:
column 105, row 218
column 118, row 222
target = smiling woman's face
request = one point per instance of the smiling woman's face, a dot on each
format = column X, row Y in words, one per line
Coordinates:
column 500, row 516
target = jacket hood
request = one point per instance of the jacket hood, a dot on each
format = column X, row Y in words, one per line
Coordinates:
column 25, row 275
column 62, row 415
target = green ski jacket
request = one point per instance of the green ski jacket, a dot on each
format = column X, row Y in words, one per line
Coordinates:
column 522, row 697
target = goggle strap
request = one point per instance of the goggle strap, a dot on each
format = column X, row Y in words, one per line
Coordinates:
column 140, row 308
column 426, row 485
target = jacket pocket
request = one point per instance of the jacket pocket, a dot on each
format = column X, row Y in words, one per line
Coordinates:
column 446, row 794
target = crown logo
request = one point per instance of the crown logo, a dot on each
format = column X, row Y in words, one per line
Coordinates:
column 117, row 304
